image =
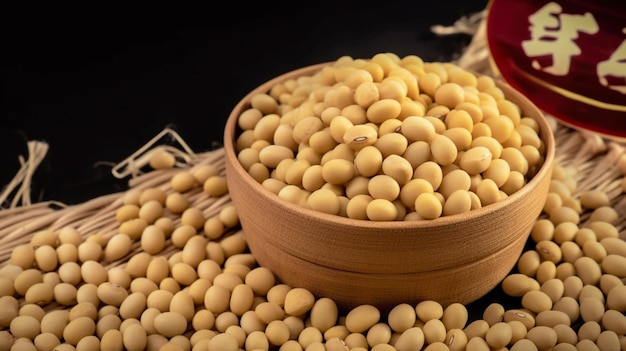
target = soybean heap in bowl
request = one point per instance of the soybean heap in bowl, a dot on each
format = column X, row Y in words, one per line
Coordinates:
column 388, row 180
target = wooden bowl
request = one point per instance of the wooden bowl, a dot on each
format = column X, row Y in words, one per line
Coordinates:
column 456, row 258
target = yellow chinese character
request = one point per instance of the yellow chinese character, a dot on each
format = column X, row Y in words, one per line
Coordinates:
column 553, row 33
column 614, row 66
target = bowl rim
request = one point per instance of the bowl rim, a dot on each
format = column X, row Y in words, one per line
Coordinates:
column 230, row 133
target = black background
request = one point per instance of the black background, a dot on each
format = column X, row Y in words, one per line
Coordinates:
column 96, row 84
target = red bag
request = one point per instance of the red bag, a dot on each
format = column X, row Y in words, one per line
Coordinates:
column 567, row 56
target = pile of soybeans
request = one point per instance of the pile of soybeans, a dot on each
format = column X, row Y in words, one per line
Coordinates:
column 165, row 266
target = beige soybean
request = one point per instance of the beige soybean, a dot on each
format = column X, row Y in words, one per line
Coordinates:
column 615, row 321
column 499, row 335
column 595, row 250
column 476, row 328
column 449, row 94
column 112, row 339
column 564, row 214
column 366, row 93
column 143, row 285
column 381, row 210
column 368, row 161
column 150, row 194
column 134, row 337
column 401, row 317
column 455, row 316
column 151, row 211
column 524, row 345
column 359, row 136
column 543, row 337
column 361, row 318
column 528, row 263
column 476, row 159
column 379, row 333
column 517, row 284
column 357, row 186
column 524, row 316
column 383, row 109
column 132, row 227
column 24, row 326
column 614, row 264
column 46, row 258
column 410, row 339
column 443, row 149
column 324, row 314
column 338, row 171
column 417, row 153
column 545, row 272
column 357, row 206
column 498, row 171
column 591, row 309
column 552, row 318
column 549, row 251
column 83, row 309
column 411, row 190
column 398, row 168
column 269, row 311
column 582, row 236
column 46, row 341
column 39, row 293
column 429, row 171
column 266, row 126
column 616, row 297
column 493, row 313
column 604, row 214
column 518, row 331
column 323, row 200
column 65, row 294
column 608, row 282
column 93, row 272
column 383, row 186
column 170, row 324
column 127, row 212
column 67, row 252
column 119, row 245
column 434, row 331
column 78, row 328
column 336, row 331
column 453, row 180
column 217, row 299
column 457, row 202
column 392, row 143
column 603, row 230
column 393, row 87
column 456, row 340
column 477, row 344
column 44, row 238
column 588, row 270
column 566, row 231
column 554, row 288
column 265, row 103
column 429, row 309
column 69, row 272
column 417, row 128
column 33, row 310
column 461, row 137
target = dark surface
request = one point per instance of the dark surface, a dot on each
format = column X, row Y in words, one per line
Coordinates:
column 97, row 85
